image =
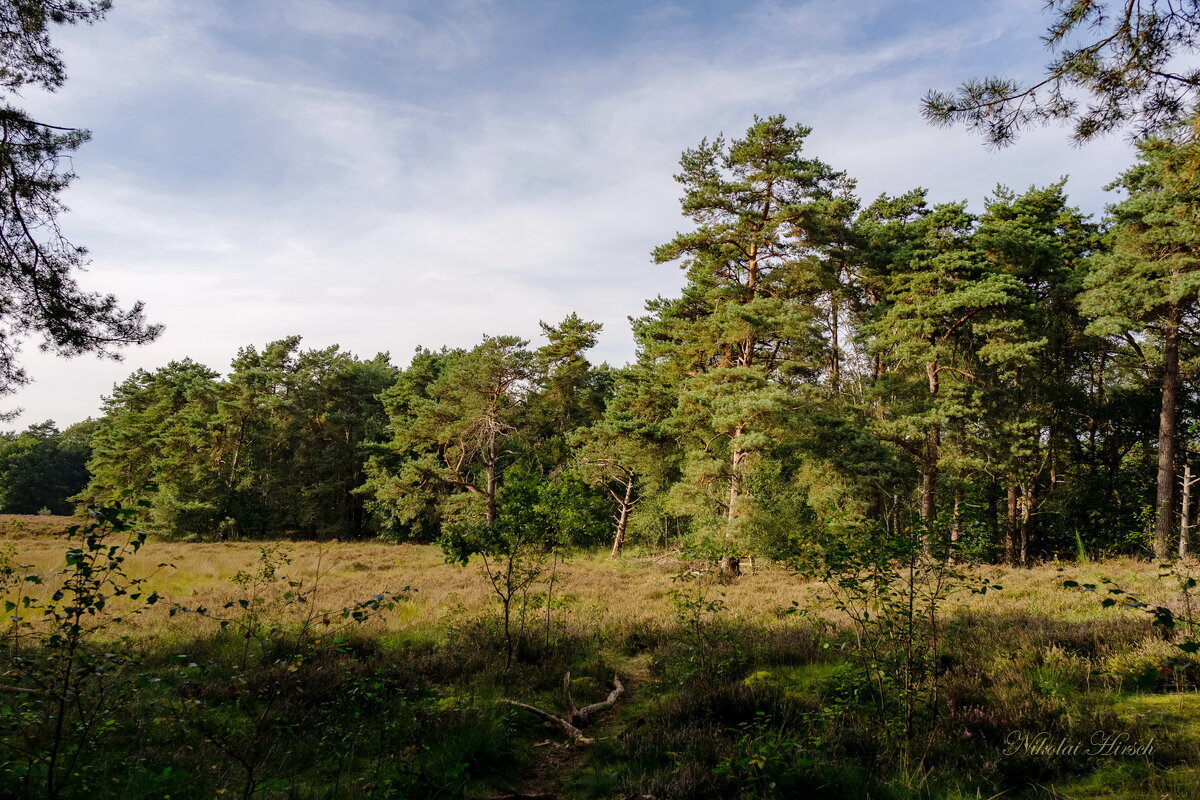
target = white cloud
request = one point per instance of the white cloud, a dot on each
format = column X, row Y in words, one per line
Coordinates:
column 354, row 214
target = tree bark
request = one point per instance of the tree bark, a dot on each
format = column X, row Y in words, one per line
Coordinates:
column 929, row 481
column 835, row 350
column 576, row 718
column 623, row 517
column 490, row 491
column 956, row 520
column 730, row 567
column 1185, row 511
column 730, row 564
column 929, row 466
column 1165, row 507
column 1026, row 507
column 1010, row 528
column 993, row 510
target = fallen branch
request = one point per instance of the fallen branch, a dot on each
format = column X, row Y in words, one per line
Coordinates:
column 576, row 718
column 580, row 717
column 550, row 719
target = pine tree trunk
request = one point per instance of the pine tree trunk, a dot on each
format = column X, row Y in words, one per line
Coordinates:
column 1165, row 507
column 929, row 481
column 1026, row 506
column 623, row 518
column 835, row 350
column 730, row 563
column 1010, row 528
column 993, row 510
column 929, row 467
column 956, row 520
column 490, row 491
column 730, row 567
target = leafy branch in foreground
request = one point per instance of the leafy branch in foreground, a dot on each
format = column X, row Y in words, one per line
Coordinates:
column 894, row 597
column 1179, row 621
column 284, row 635
column 71, row 682
column 37, row 264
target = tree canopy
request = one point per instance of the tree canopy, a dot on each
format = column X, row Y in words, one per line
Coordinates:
column 1115, row 64
column 1012, row 381
column 38, row 264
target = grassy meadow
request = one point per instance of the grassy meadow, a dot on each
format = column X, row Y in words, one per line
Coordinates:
column 759, row 688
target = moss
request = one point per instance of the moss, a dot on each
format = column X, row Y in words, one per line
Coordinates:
column 803, row 681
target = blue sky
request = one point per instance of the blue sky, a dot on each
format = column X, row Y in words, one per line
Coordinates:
column 383, row 175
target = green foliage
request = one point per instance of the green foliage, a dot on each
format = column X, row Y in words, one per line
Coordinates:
column 42, row 468
column 283, row 638
column 275, row 447
column 1125, row 72
column 626, row 452
column 708, row 649
column 1152, row 265
column 570, row 393
column 894, row 595
column 517, row 550
column 1147, row 284
column 71, row 684
column 451, row 441
column 748, row 324
column 825, row 366
column 459, row 421
column 1180, row 619
column 767, row 756
column 38, row 267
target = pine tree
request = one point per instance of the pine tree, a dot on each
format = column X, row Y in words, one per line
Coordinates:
column 1149, row 284
column 626, row 452
column 941, row 314
column 452, row 438
column 1027, row 408
column 1133, row 71
column 750, row 318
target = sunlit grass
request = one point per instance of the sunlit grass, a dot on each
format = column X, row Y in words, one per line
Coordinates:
column 590, row 586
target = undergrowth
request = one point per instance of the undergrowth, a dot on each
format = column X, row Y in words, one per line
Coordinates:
column 277, row 693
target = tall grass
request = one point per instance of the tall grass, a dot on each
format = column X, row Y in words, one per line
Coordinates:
column 405, row 704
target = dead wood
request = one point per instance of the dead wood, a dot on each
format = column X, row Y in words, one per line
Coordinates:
column 580, row 717
column 550, row 719
column 576, row 718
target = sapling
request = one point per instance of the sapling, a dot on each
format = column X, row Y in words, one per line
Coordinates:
column 71, row 673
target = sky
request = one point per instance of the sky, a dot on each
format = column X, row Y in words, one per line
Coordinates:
column 392, row 173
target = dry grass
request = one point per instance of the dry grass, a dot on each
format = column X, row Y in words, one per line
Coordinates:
column 1033, row 656
column 592, row 588
column 33, row 526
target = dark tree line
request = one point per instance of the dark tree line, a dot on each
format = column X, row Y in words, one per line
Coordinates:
column 41, row 468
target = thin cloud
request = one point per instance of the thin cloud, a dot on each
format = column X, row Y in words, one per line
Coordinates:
column 246, row 193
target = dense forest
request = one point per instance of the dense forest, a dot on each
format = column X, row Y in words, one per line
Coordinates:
column 1005, row 380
